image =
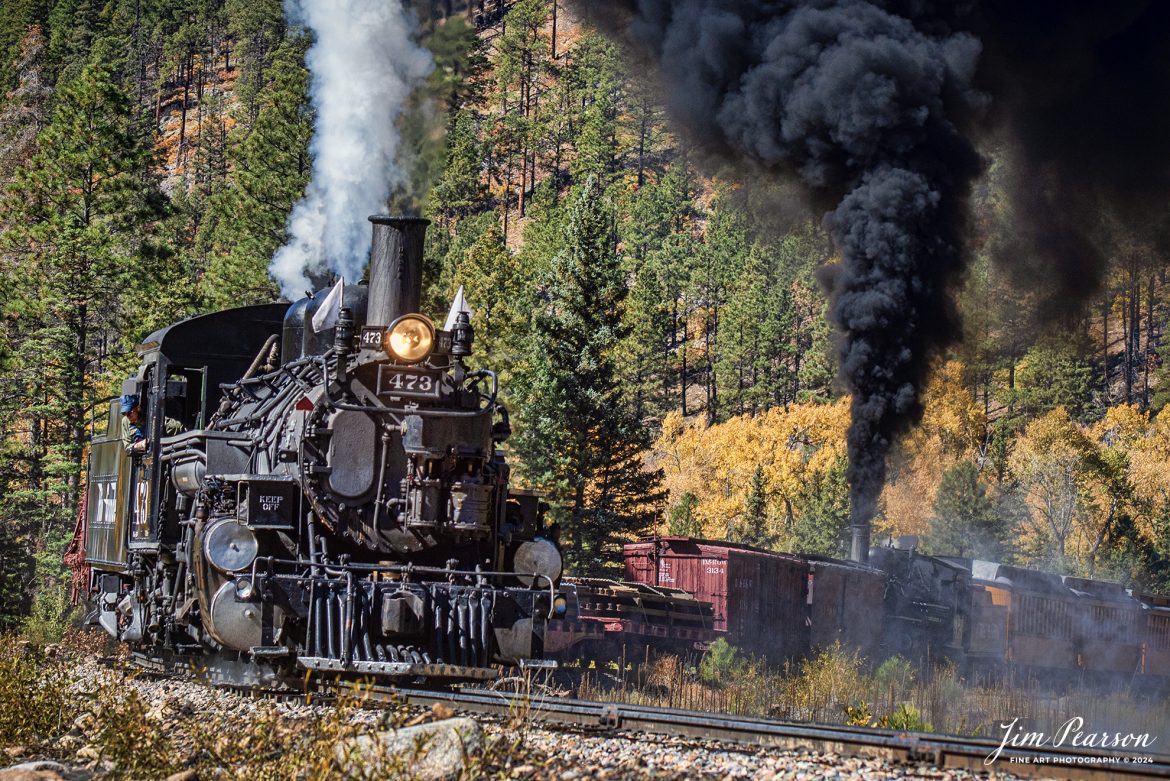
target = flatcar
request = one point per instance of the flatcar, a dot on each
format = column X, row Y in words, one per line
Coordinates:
column 608, row 621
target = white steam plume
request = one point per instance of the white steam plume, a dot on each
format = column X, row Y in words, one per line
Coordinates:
column 363, row 66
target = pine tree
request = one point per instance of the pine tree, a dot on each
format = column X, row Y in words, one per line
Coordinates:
column 683, row 521
column 73, row 26
column 258, row 29
column 17, row 19
column 26, row 110
column 80, row 215
column 753, row 529
column 728, row 241
column 498, row 296
column 660, row 237
column 598, row 81
column 966, row 520
column 246, row 222
column 579, row 439
column 823, row 507
column 459, row 191
column 752, row 363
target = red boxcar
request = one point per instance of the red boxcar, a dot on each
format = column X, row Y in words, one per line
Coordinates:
column 775, row 604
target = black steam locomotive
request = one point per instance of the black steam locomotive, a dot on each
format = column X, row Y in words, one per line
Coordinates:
column 335, row 499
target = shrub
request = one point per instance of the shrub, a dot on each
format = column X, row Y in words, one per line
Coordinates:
column 51, row 614
column 859, row 715
column 34, row 701
column 906, row 717
column 896, row 676
column 720, row 663
column 826, row 681
column 138, row 745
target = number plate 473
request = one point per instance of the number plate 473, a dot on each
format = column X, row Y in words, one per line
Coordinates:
column 399, row 381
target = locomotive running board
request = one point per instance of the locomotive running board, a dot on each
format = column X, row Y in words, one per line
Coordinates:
column 403, row 669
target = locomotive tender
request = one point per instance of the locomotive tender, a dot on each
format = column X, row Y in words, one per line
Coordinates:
column 336, row 500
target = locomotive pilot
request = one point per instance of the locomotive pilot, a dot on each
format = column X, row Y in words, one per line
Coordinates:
column 133, row 434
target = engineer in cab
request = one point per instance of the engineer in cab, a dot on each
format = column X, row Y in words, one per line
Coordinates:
column 133, row 431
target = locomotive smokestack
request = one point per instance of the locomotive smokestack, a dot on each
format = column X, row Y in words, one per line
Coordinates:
column 859, row 551
column 395, row 268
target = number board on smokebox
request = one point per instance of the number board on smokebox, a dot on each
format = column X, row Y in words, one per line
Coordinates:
column 371, row 339
column 407, row 382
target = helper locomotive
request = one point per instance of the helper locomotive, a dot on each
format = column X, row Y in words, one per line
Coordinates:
column 335, row 499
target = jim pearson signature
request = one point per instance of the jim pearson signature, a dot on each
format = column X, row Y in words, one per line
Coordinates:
column 1071, row 734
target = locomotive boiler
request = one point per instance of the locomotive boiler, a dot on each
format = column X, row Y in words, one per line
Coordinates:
column 336, row 499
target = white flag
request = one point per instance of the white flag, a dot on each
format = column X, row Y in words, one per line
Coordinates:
column 326, row 315
column 457, row 306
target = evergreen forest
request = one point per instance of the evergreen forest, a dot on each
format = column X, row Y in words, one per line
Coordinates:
column 657, row 316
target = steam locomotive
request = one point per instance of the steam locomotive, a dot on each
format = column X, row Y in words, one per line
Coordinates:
column 335, row 499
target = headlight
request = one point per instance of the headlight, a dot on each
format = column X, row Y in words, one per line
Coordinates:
column 410, row 338
column 560, row 605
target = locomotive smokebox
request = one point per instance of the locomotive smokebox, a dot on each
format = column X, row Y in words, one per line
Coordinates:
column 395, row 268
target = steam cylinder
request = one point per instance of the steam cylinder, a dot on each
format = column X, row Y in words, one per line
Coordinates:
column 395, row 268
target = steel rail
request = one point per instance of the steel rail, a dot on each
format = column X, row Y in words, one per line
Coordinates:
column 944, row 751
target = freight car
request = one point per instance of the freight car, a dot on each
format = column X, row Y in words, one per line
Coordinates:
column 336, row 499
column 991, row 620
column 775, row 605
column 607, row 621
column 1156, row 621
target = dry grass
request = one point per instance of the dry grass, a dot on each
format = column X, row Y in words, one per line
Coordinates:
column 50, row 710
column 34, row 686
column 837, row 687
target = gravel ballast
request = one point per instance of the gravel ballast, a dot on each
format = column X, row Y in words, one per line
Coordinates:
column 521, row 750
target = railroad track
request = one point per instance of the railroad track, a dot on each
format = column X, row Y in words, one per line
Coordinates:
column 944, row 751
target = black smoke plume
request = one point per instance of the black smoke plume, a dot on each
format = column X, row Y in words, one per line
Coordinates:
column 866, row 110
column 876, row 107
column 1081, row 102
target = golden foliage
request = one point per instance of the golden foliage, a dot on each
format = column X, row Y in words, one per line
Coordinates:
column 715, row 463
column 1146, row 445
column 953, row 428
